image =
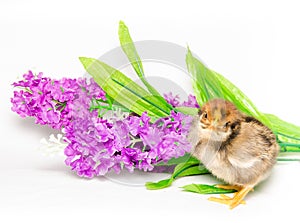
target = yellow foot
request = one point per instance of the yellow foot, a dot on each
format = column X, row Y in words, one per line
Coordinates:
column 235, row 200
column 224, row 199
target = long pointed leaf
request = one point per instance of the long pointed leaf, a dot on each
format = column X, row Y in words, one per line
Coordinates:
column 135, row 60
column 182, row 159
column 123, row 89
column 209, row 84
column 188, row 168
column 201, row 79
column 206, row 189
column 181, row 171
column 288, row 135
column 159, row 185
column 284, row 127
column 188, row 110
column 129, row 49
column 234, row 94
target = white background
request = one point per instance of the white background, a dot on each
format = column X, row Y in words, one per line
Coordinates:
column 255, row 44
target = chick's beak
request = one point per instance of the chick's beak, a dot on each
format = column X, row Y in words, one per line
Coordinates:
column 213, row 125
column 215, row 121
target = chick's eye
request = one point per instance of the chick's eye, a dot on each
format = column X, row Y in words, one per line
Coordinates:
column 204, row 115
column 226, row 124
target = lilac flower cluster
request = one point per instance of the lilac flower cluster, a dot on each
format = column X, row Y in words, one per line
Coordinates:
column 97, row 144
column 174, row 100
column 51, row 102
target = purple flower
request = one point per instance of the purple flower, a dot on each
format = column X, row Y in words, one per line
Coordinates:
column 152, row 136
column 172, row 100
column 86, row 152
column 19, row 104
column 121, row 133
column 83, row 166
column 108, row 146
column 97, row 145
column 53, row 102
column 133, row 123
column 130, row 158
column 192, row 102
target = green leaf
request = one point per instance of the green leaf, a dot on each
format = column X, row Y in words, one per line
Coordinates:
column 208, row 84
column 241, row 101
column 283, row 127
column 188, row 168
column 129, row 49
column 135, row 60
column 187, row 110
column 202, row 79
column 159, row 185
column 206, row 189
column 193, row 170
column 183, row 159
column 123, row 89
column 288, row 135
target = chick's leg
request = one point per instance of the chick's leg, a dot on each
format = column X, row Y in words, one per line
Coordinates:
column 239, row 196
column 223, row 198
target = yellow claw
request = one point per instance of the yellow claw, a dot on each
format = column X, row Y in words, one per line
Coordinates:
column 237, row 197
column 220, row 200
column 225, row 197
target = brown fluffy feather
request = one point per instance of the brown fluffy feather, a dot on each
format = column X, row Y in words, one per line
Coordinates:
column 236, row 148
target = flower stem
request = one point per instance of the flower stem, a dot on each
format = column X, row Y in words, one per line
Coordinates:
column 134, row 141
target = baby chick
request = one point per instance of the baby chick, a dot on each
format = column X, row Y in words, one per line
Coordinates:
column 235, row 147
